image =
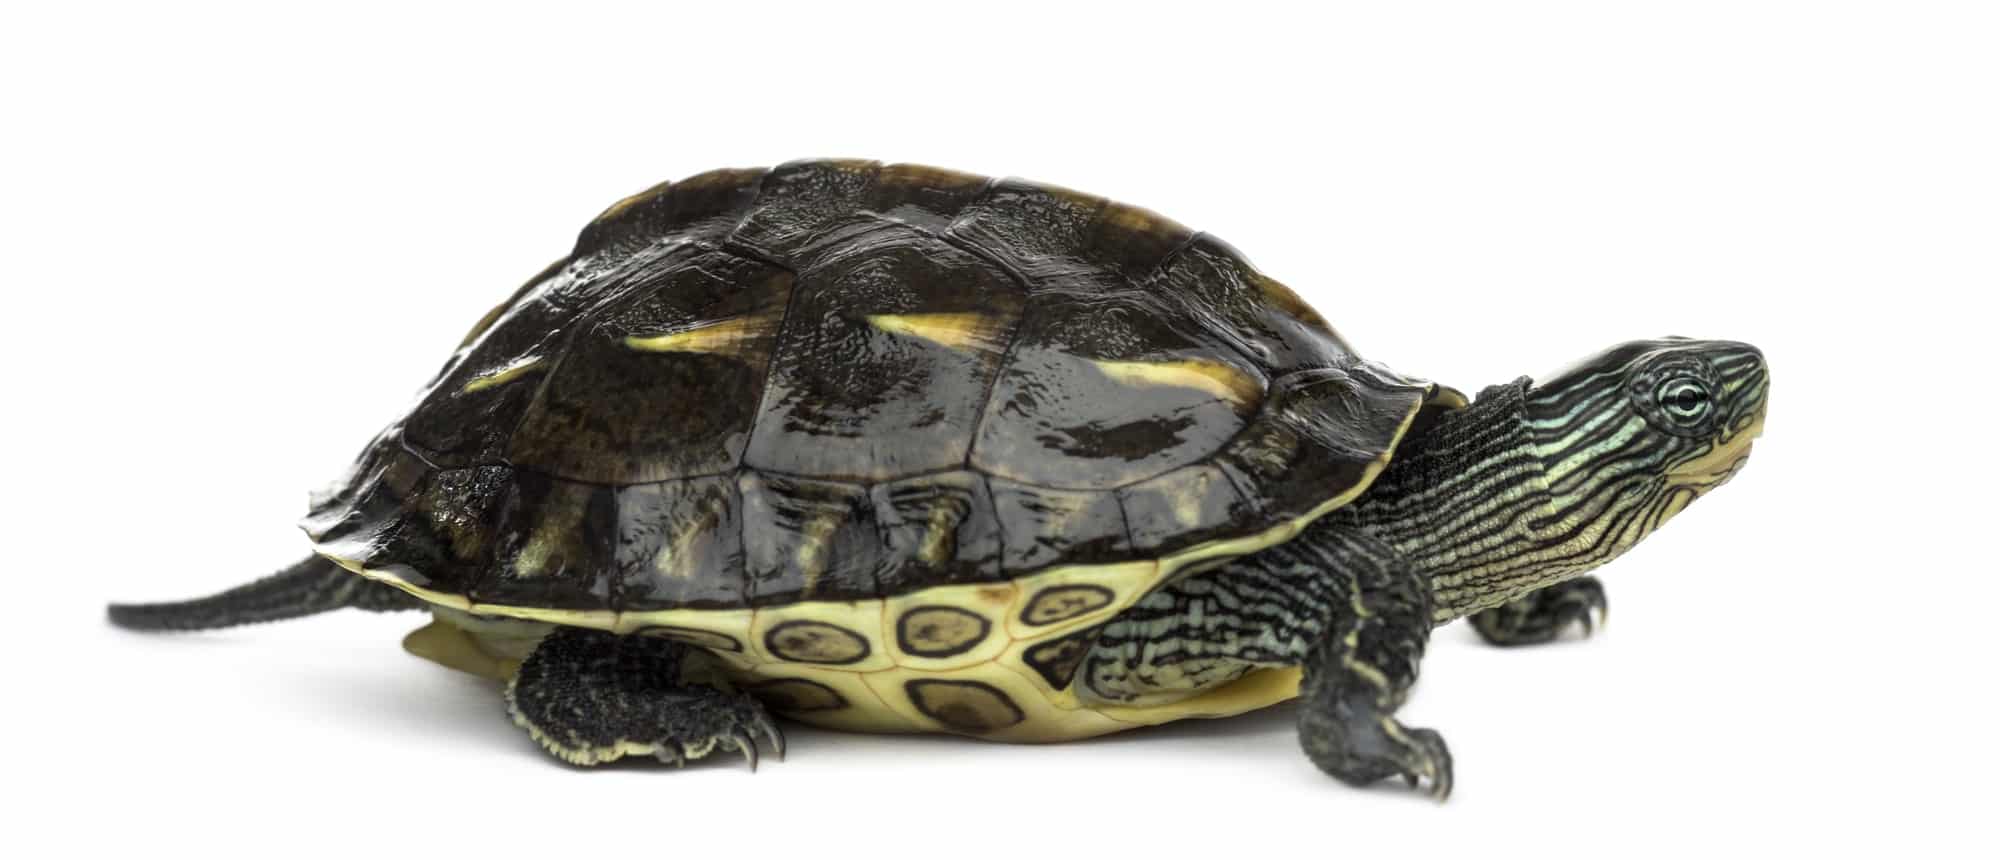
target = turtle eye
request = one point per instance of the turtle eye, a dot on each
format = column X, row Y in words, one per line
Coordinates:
column 1685, row 400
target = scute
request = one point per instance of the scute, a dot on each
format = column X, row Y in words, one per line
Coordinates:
column 613, row 410
column 840, row 383
column 805, row 538
column 672, row 535
column 853, row 398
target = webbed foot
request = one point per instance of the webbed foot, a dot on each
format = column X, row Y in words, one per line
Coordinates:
column 1359, row 745
column 591, row 697
column 1543, row 615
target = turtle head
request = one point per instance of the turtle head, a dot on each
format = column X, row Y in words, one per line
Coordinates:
column 1537, row 482
column 1629, row 437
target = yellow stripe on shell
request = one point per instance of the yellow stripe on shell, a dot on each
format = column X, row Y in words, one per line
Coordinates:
column 507, row 373
column 963, row 330
column 1223, row 380
column 727, row 336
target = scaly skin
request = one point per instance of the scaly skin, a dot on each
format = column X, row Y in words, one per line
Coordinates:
column 309, row 587
column 1362, row 670
column 1543, row 615
column 590, row 697
column 1495, row 514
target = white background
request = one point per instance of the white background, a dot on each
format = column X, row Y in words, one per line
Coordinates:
column 237, row 239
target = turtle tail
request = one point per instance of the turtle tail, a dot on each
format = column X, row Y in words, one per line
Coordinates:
column 309, row 587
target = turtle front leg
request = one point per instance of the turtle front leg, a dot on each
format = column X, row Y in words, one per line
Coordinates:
column 591, row 697
column 1363, row 666
column 1545, row 613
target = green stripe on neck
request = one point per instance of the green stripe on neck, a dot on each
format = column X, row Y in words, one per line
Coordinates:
column 1459, row 503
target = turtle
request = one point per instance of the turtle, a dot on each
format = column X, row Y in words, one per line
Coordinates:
column 892, row 448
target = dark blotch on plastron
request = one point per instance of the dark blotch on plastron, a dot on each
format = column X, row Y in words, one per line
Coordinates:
column 940, row 631
column 968, row 706
column 798, row 695
column 702, row 638
column 1063, row 602
column 1057, row 659
column 816, row 642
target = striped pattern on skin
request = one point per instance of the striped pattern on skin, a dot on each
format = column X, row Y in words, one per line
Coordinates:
column 1338, row 601
column 1531, row 486
column 1362, row 670
column 1267, row 609
column 1321, row 590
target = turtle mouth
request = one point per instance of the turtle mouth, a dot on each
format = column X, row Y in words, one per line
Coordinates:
column 1720, row 463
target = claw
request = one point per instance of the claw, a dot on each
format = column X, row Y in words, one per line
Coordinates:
column 1437, row 764
column 747, row 746
column 777, row 738
column 1587, row 607
column 1595, row 603
column 669, row 752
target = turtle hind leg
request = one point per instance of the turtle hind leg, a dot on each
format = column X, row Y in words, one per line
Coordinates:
column 1545, row 613
column 309, row 587
column 590, row 697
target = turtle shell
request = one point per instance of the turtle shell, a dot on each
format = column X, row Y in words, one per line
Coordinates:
column 843, row 382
